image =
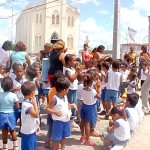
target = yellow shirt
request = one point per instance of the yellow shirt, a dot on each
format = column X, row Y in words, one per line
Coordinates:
column 133, row 55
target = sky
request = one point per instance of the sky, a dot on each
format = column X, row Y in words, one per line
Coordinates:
column 96, row 20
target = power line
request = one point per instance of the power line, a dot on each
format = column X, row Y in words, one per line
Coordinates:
column 39, row 9
column 2, row 4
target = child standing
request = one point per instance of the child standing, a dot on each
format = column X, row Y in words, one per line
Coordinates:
column 29, row 117
column 61, row 114
column 7, row 116
column 131, row 84
column 71, row 73
column 119, row 131
column 113, row 80
column 88, row 108
column 144, row 73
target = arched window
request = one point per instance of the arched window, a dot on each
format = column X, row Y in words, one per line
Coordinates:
column 53, row 19
column 40, row 41
column 57, row 19
column 54, row 36
column 36, row 41
column 40, row 18
column 37, row 18
column 71, row 42
column 72, row 21
column 68, row 20
column 68, row 42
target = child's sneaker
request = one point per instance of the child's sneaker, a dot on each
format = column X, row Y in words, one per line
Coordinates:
column 74, row 125
column 5, row 147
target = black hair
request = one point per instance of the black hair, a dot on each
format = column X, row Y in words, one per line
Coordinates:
column 85, row 45
column 115, row 64
column 124, row 64
column 27, row 88
column 88, row 79
column 79, row 60
column 115, row 110
column 136, row 94
column 132, row 99
column 61, row 84
column 56, row 76
column 31, row 72
column 6, row 70
column 106, row 65
column 17, row 66
column 7, row 84
column 7, row 45
column 80, row 77
column 36, row 65
column 133, row 75
column 100, row 47
column 94, row 50
column 110, row 60
column 99, row 66
column 68, row 57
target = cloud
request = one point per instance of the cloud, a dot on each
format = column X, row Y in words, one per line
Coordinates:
column 96, row 2
column 103, row 12
column 97, row 34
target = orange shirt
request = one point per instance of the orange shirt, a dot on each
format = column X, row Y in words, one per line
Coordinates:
column 52, row 93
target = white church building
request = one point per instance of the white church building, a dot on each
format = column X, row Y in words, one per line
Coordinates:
column 48, row 21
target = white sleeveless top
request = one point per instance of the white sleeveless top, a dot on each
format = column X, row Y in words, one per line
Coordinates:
column 113, row 80
column 62, row 106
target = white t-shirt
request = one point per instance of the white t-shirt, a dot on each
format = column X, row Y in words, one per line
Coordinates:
column 74, row 84
column 5, row 55
column 132, row 117
column 122, row 132
column 19, row 93
column 89, row 96
column 124, row 75
column 131, row 87
column 62, row 106
column 1, row 77
column 113, row 80
column 143, row 76
column 79, row 91
column 29, row 123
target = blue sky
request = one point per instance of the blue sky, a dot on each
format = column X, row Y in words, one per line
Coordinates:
column 96, row 20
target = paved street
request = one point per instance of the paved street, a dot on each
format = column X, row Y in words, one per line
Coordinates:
column 140, row 141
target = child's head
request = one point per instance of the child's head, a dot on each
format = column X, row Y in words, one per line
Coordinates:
column 132, row 76
column 62, row 86
column 2, row 69
column 28, row 89
column 110, row 60
column 136, row 94
column 70, row 60
column 116, row 113
column 100, row 48
column 88, row 80
column 7, row 84
column 105, row 66
column 80, row 77
column 37, row 67
column 19, row 71
column 132, row 100
column 31, row 73
column 115, row 64
column 124, row 66
column 56, row 76
column 144, row 65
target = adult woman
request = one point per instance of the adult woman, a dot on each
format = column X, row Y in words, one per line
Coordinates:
column 85, row 53
column 56, row 59
column 20, row 56
column 45, row 53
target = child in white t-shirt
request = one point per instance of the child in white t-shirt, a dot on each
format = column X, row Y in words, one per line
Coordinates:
column 119, row 130
column 29, row 117
column 131, row 111
column 131, row 84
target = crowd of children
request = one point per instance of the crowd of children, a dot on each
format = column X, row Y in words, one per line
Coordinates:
column 73, row 101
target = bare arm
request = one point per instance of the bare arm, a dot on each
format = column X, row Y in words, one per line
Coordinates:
column 62, row 59
column 111, row 129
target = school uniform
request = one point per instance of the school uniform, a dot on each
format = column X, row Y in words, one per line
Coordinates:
column 29, row 127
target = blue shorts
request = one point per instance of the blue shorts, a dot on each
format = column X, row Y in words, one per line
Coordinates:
column 50, row 125
column 7, row 120
column 111, row 96
column 113, row 139
column 45, row 91
column 60, row 130
column 88, row 112
column 103, row 94
column 28, row 141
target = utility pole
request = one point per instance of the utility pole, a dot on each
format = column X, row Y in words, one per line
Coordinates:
column 116, row 30
column 149, row 34
column 12, row 20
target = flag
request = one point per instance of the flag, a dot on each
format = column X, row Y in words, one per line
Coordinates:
column 132, row 33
